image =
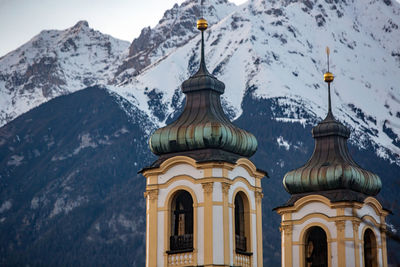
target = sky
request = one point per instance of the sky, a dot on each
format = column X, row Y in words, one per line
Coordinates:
column 20, row 20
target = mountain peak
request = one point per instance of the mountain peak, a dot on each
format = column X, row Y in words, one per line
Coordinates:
column 175, row 29
column 81, row 24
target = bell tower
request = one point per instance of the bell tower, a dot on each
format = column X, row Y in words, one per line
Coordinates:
column 203, row 194
column 332, row 218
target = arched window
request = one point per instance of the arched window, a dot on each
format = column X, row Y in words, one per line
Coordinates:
column 370, row 250
column 316, row 249
column 181, row 222
column 241, row 222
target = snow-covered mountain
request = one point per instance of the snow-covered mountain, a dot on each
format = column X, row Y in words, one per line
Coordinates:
column 54, row 63
column 175, row 29
column 271, row 49
column 276, row 49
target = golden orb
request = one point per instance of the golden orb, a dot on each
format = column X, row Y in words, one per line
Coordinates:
column 328, row 77
column 202, row 24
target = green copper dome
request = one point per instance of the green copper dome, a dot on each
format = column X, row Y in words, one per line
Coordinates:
column 203, row 123
column 331, row 166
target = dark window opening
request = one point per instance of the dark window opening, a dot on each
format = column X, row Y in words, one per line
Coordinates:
column 181, row 238
column 316, row 248
column 370, row 249
column 240, row 232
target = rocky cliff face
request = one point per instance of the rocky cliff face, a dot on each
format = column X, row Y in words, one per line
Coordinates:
column 174, row 30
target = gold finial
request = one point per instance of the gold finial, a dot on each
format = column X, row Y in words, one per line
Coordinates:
column 328, row 77
column 202, row 24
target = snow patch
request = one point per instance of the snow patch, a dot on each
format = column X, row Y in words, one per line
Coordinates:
column 5, row 206
column 35, row 203
column 391, row 228
column 280, row 163
column 86, row 141
column 283, row 143
column 301, row 121
column 15, row 160
column 65, row 205
column 123, row 130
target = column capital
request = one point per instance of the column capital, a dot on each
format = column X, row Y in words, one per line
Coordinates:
column 259, row 195
column 356, row 225
column 225, row 187
column 286, row 228
column 340, row 224
column 152, row 194
column 208, row 187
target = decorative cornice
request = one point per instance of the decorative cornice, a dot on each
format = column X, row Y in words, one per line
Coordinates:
column 167, row 163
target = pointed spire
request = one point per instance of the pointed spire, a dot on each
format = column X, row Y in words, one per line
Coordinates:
column 328, row 78
column 202, row 79
column 202, row 25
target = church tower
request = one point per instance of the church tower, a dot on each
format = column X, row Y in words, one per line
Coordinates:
column 203, row 194
column 332, row 218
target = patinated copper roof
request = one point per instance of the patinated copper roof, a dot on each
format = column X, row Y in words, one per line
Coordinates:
column 203, row 123
column 331, row 166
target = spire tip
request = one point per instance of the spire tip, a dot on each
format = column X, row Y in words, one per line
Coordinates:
column 328, row 76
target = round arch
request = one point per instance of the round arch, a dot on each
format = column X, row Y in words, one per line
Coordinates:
column 168, row 209
column 309, row 199
column 241, row 221
column 303, row 237
column 369, row 247
column 243, row 191
column 169, row 197
column 316, row 247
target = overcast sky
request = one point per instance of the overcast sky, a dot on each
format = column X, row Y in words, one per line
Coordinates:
column 20, row 20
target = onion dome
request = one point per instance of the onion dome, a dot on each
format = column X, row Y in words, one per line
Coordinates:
column 203, row 131
column 331, row 166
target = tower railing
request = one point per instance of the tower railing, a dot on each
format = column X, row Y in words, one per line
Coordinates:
column 240, row 243
column 243, row 260
column 181, row 243
column 181, row 259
